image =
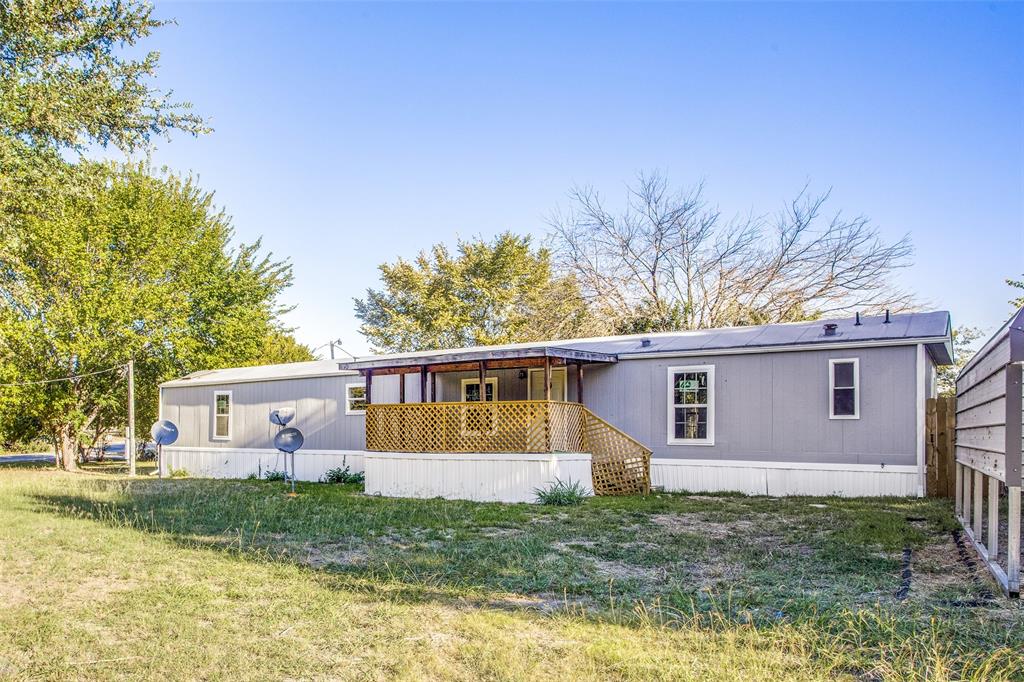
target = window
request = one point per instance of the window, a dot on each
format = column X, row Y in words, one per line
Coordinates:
column 471, row 390
column 844, row 388
column 535, row 384
column 355, row 399
column 691, row 405
column 222, row 415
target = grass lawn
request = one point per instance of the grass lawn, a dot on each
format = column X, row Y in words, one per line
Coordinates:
column 102, row 576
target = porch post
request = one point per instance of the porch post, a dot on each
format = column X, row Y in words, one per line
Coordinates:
column 547, row 378
column 433, row 387
column 369, row 386
column 423, row 383
column 401, row 387
column 483, row 382
column 579, row 382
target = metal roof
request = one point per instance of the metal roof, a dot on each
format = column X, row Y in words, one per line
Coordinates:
column 237, row 375
column 931, row 328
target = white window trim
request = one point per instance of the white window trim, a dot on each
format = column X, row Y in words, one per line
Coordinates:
column 493, row 381
column 540, row 371
column 349, row 410
column 710, row 440
column 231, row 410
column 832, row 386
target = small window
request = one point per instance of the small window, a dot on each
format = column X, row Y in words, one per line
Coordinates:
column 691, row 402
column 471, row 390
column 844, row 389
column 222, row 415
column 355, row 399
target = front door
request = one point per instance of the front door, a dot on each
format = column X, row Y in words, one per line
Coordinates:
column 558, row 389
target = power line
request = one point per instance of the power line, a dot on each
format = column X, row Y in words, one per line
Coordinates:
column 70, row 378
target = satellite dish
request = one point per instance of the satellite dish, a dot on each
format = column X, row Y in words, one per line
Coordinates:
column 288, row 440
column 282, row 415
column 164, row 432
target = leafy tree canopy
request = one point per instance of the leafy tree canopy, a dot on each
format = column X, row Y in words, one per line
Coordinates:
column 964, row 339
column 130, row 266
column 66, row 81
column 488, row 292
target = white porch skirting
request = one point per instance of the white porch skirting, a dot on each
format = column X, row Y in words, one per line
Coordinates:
column 779, row 479
column 310, row 465
column 484, row 477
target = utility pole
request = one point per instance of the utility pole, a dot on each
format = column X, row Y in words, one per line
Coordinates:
column 129, row 445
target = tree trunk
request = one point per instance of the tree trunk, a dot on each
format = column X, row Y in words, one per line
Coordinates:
column 67, row 452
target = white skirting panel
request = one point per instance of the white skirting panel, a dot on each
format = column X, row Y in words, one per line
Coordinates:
column 310, row 465
column 481, row 477
column 778, row 479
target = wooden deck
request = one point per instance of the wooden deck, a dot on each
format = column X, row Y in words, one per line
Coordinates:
column 621, row 464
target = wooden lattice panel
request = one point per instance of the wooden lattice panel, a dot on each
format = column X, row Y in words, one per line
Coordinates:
column 509, row 426
column 620, row 464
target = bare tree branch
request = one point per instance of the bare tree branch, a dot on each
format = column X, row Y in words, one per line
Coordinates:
column 671, row 259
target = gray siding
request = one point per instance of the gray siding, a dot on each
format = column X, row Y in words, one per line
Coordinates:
column 319, row 413
column 768, row 406
column 988, row 407
column 771, row 406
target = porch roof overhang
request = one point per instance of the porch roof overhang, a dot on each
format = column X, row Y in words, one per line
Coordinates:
column 455, row 360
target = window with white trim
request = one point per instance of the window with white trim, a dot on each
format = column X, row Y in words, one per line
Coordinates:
column 222, row 415
column 844, row 388
column 471, row 390
column 691, row 405
column 355, row 399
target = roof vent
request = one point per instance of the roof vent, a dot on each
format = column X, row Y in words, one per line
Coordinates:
column 886, row 320
column 830, row 329
column 645, row 343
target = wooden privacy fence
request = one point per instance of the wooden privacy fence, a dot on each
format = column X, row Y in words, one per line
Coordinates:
column 940, row 418
column 620, row 464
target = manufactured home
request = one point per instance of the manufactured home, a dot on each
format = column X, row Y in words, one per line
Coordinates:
column 818, row 408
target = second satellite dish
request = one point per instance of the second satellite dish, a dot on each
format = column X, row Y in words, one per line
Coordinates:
column 282, row 415
column 288, row 440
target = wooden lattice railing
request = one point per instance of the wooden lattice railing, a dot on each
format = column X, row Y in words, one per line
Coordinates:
column 621, row 465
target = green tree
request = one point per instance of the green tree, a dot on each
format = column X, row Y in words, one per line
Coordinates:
column 279, row 346
column 129, row 266
column 102, row 263
column 488, row 292
column 67, row 82
column 963, row 351
column 1018, row 301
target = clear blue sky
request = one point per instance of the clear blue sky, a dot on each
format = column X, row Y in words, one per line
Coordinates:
column 349, row 134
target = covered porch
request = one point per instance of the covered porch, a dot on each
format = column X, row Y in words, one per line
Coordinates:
column 499, row 401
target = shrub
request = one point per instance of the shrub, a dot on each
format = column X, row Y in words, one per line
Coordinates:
column 562, row 493
column 342, row 475
column 276, row 475
column 179, row 473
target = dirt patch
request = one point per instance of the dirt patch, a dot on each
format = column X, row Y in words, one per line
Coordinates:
column 693, row 524
column 572, row 545
column 620, row 570
column 940, row 578
column 707, row 575
column 321, row 556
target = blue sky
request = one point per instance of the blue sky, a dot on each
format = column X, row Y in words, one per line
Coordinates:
column 348, row 135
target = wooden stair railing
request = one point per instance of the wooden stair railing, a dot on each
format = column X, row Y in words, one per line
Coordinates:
column 620, row 464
